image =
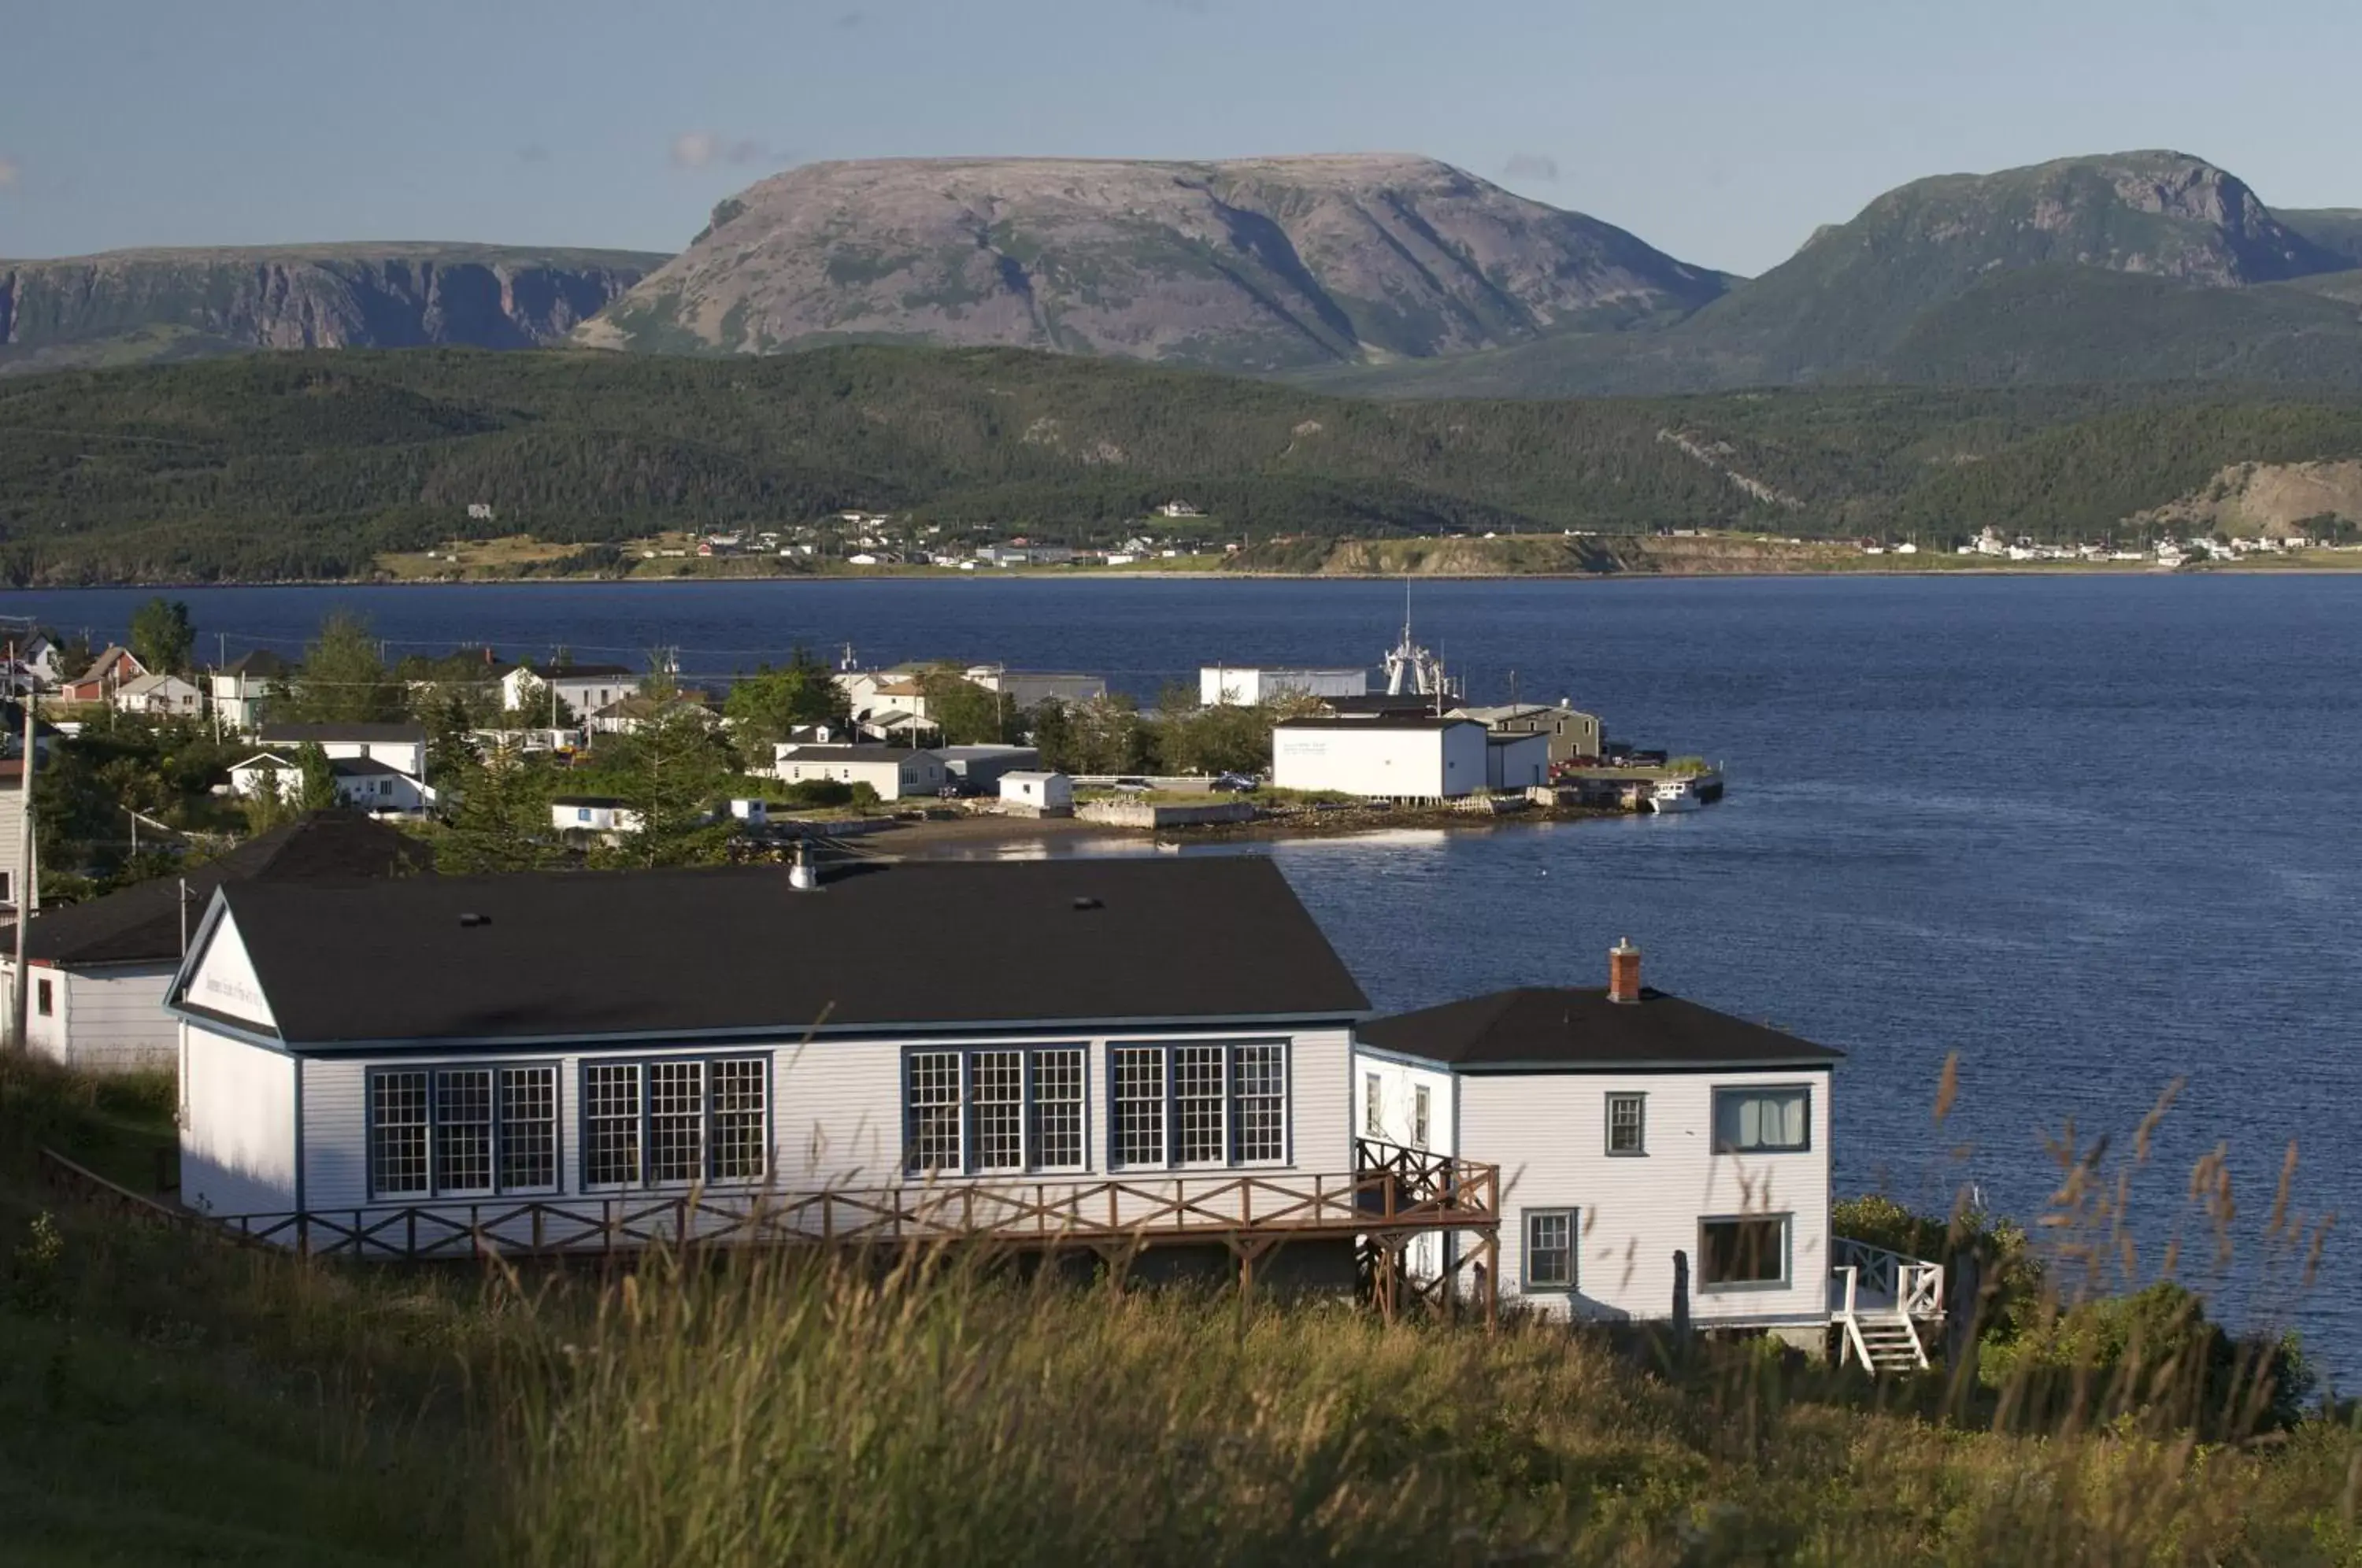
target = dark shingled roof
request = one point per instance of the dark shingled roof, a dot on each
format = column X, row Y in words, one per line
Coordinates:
column 1538, row 1026
column 141, row 923
column 260, row 662
column 736, row 948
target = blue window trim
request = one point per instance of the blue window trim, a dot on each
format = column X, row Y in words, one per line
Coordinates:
column 770, row 1060
column 1785, row 1219
column 462, row 1064
column 1723, row 1091
column 1231, row 1160
column 1526, row 1284
column 968, row 1053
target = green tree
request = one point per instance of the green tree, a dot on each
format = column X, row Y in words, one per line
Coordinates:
column 162, row 635
column 451, row 721
column 670, row 774
column 499, row 816
column 317, row 790
column 343, row 680
column 538, row 706
column 964, row 713
column 764, row 706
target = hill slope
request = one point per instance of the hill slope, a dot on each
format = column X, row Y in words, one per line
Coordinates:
column 128, row 306
column 311, row 465
column 2127, row 262
column 1253, row 264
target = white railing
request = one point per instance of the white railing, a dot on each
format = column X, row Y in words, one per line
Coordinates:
column 1878, row 1279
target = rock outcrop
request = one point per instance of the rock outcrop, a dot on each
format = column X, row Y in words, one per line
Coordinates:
column 1253, row 264
column 131, row 305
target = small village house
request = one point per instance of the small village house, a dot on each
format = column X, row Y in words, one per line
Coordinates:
column 602, row 817
column 585, row 688
column 243, row 688
column 98, row 969
column 1037, row 794
column 979, row 769
column 109, row 670
column 893, row 771
column 1387, row 757
column 29, row 665
column 1028, row 689
column 462, row 1068
column 1250, row 685
column 1517, row 761
column 1574, row 735
column 402, row 747
column 362, row 783
column 1628, row 1126
column 158, row 696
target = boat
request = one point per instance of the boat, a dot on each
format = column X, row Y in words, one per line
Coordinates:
column 1672, row 795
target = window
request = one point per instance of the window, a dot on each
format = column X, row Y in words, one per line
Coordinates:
column 463, row 1129
column 1373, row 1102
column 1139, row 1105
column 45, row 999
column 581, row 813
column 994, row 1112
column 398, row 1134
column 675, row 1122
column 1740, row 1253
column 1224, row 1104
column 529, row 1141
column 462, row 1132
column 1768, row 1120
column 1627, row 1123
column 1550, row 1249
column 1418, row 1116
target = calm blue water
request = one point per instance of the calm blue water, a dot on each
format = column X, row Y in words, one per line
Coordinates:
column 2095, row 835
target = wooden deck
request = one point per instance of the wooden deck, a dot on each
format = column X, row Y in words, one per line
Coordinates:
column 1392, row 1195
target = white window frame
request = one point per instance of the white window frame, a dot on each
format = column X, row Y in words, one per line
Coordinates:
column 644, row 1120
column 500, row 1127
column 1373, row 1104
column 1572, row 1219
column 1638, row 1100
column 1231, row 1100
column 970, row 1063
column 1422, row 1115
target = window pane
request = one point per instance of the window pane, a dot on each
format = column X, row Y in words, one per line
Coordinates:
column 740, row 1150
column 463, row 1129
column 398, row 1134
column 1139, row 1105
column 1372, row 1103
column 676, row 1121
column 997, row 1079
column 1261, row 1074
column 1624, row 1123
column 1743, row 1251
column 1058, row 1110
column 528, row 1128
column 934, row 1140
column 1550, row 1248
column 1419, row 1100
column 1197, row 1102
column 1762, row 1120
column 610, row 1124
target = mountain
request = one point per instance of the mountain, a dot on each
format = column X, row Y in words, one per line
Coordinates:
column 1257, row 264
column 128, row 306
column 2119, row 267
column 312, row 465
column 2331, row 229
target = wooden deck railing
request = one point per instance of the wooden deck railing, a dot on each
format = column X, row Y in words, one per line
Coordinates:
column 1393, row 1192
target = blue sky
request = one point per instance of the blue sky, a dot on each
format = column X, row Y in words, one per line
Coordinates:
column 1720, row 130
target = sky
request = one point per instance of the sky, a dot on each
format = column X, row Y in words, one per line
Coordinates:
column 1723, row 131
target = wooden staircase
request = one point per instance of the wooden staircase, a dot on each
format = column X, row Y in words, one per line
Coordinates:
column 1887, row 1307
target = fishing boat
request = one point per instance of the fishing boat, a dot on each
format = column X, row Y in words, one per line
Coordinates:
column 1673, row 795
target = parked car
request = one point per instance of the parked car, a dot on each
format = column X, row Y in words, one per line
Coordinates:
column 1234, row 783
column 1132, row 786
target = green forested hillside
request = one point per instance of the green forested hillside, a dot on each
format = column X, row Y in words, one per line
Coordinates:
column 310, row 465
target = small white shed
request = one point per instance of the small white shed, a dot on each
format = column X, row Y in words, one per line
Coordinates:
column 1385, row 757
column 1037, row 794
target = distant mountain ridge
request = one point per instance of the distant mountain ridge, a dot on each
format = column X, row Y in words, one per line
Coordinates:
column 1252, row 264
column 2125, row 266
column 126, row 306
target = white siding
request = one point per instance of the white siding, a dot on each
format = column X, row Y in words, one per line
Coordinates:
column 1379, row 760
column 1548, row 1133
column 1398, row 1088
column 107, row 1021
column 237, row 1151
column 1219, row 684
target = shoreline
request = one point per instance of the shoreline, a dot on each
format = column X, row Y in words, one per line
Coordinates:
column 991, row 830
column 2096, row 569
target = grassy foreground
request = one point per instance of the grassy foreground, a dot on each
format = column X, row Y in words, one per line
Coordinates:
column 166, row 1400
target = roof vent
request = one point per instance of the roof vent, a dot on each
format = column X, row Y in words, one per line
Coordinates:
column 1089, row 902
column 801, row 875
column 472, row 919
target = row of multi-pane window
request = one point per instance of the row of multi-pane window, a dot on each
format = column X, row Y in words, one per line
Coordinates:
column 998, row 1110
column 473, row 1130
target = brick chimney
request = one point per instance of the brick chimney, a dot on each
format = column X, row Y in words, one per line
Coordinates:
column 1624, row 972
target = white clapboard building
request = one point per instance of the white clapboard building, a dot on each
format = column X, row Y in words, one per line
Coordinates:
column 1383, row 756
column 1095, row 1048
column 1628, row 1126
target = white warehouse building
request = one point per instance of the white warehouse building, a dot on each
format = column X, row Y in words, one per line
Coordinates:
column 1386, row 756
column 1219, row 685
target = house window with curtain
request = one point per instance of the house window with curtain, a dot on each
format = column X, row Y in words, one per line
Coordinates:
column 1762, row 1120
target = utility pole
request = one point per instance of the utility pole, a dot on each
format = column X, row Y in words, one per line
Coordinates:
column 19, row 989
